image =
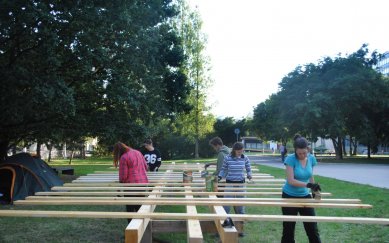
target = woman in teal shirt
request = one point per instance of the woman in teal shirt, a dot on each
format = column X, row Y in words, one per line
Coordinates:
column 299, row 172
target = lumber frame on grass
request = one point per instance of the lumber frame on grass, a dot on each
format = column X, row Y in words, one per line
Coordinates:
column 83, row 191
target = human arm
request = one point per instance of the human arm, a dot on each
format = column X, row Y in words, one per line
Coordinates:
column 159, row 158
column 290, row 177
column 248, row 168
column 209, row 164
column 223, row 170
column 312, row 185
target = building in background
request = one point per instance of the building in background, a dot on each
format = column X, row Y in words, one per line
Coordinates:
column 383, row 64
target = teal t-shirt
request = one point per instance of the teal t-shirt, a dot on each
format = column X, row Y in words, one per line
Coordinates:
column 300, row 174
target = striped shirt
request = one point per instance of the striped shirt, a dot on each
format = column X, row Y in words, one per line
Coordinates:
column 133, row 167
column 233, row 168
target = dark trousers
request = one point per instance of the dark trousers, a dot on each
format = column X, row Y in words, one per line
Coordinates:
column 132, row 208
column 289, row 227
column 283, row 157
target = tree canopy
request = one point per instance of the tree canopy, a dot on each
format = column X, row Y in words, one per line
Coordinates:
column 337, row 97
column 88, row 68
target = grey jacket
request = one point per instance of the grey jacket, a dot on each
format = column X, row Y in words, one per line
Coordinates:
column 223, row 152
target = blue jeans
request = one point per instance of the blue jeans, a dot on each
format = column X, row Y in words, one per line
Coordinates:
column 237, row 209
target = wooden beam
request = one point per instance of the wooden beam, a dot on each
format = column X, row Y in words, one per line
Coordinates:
column 180, row 226
column 227, row 235
column 311, row 200
column 167, row 184
column 102, row 193
column 194, row 234
column 93, row 180
column 97, row 188
column 193, row 203
column 185, row 216
column 223, row 183
column 136, row 229
column 250, row 188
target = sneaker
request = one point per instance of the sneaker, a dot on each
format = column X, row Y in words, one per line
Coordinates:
column 228, row 223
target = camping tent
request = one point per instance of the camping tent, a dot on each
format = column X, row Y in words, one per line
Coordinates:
column 22, row 175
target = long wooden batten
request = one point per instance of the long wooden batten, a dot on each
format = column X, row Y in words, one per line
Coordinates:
column 186, row 216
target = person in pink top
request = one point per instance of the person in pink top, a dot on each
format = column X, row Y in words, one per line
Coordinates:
column 132, row 168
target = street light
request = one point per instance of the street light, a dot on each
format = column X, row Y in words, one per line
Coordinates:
column 237, row 131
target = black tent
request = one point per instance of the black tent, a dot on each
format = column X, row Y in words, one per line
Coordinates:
column 22, row 175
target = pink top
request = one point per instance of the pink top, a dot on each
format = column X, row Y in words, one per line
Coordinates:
column 132, row 167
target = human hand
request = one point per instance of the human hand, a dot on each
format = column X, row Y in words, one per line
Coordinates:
column 314, row 186
column 249, row 177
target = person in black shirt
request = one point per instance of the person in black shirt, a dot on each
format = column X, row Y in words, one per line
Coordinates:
column 152, row 155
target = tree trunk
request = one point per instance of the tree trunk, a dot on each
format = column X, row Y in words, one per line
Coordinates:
column 83, row 151
column 344, row 146
column 71, row 157
column 38, row 149
column 355, row 146
column 368, row 150
column 49, row 158
column 64, row 152
column 3, row 150
column 351, row 147
column 340, row 148
column 197, row 149
column 337, row 142
column 49, row 147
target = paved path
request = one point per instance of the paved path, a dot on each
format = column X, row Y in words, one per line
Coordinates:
column 368, row 174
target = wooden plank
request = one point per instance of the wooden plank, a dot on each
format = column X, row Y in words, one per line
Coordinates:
column 250, row 188
column 167, row 184
column 192, row 203
column 197, row 193
column 135, row 230
column 186, row 216
column 97, row 188
column 180, row 226
column 91, row 180
column 223, row 183
column 194, row 233
column 227, row 235
column 311, row 200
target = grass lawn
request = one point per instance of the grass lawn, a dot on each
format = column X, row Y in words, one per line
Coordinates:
column 111, row 230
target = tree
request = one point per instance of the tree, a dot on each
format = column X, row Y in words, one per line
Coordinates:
column 336, row 97
column 197, row 123
column 101, row 68
column 266, row 122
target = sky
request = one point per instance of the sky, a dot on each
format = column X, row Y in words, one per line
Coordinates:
column 253, row 44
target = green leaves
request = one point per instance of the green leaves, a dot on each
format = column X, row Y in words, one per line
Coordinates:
column 337, row 97
column 95, row 67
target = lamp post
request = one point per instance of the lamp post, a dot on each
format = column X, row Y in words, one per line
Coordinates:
column 237, row 131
